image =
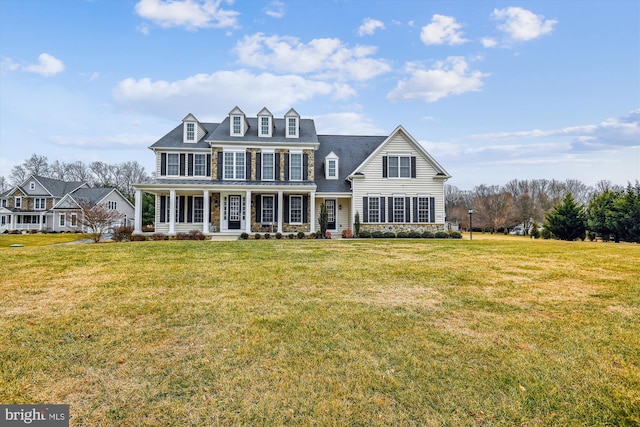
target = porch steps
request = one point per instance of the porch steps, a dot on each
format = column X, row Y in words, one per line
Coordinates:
column 217, row 237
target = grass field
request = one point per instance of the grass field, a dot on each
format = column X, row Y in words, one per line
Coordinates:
column 7, row 240
column 352, row 332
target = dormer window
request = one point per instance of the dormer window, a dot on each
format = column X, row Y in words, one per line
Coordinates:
column 265, row 123
column 331, row 166
column 192, row 131
column 292, row 123
column 238, row 124
column 190, row 135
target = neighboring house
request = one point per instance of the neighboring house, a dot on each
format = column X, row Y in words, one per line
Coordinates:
column 268, row 174
column 47, row 204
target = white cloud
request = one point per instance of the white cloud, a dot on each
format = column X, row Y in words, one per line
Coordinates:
column 7, row 64
column 275, row 9
column 348, row 123
column 191, row 14
column 521, row 24
column 47, row 65
column 369, row 27
column 211, row 94
column 442, row 30
column 488, row 42
column 326, row 58
column 449, row 77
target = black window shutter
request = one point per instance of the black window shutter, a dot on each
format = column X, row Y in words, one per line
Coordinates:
column 182, row 164
column 286, row 209
column 247, row 166
column 275, row 208
column 258, row 210
column 189, row 208
column 382, row 209
column 384, row 166
column 286, row 166
column 219, row 165
column 163, row 208
column 181, row 209
column 415, row 209
column 258, row 166
column 432, row 209
column 190, row 164
column 413, row 166
column 365, row 209
column 305, row 209
column 391, row 218
column 277, row 168
column 407, row 210
column 208, row 164
column 305, row 167
column 163, row 164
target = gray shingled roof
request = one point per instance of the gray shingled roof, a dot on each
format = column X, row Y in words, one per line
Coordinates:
column 91, row 195
column 307, row 132
column 351, row 152
column 174, row 139
column 56, row 187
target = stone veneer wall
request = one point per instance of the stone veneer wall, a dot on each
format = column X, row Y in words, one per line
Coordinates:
column 257, row 227
column 214, row 162
column 396, row 228
column 215, row 212
column 311, row 168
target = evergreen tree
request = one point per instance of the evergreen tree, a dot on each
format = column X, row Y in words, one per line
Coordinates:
column 600, row 214
column 567, row 220
column 324, row 219
column 627, row 214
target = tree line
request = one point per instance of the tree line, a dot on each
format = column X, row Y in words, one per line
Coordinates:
column 97, row 174
column 606, row 209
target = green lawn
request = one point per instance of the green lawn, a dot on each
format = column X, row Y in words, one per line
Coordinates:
column 6, row 240
column 351, row 332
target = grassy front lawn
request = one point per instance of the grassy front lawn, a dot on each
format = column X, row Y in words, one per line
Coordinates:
column 369, row 332
column 39, row 239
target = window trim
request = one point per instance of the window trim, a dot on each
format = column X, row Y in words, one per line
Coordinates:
column 233, row 125
column 269, row 126
column 32, row 185
column 195, row 164
column 272, row 209
column 295, row 127
column 399, row 165
column 273, row 165
column 199, row 210
column 62, row 217
column 291, row 167
column 291, row 209
column 18, row 202
column 169, row 165
column 40, row 204
column 234, row 166
column 190, row 134
column 395, row 198
column 370, row 198
column 423, row 211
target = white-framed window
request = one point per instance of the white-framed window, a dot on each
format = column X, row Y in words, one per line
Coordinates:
column 268, row 209
column 332, row 169
column 74, row 220
column 173, row 164
column 399, row 209
column 423, row 209
column 265, row 126
column 234, row 165
column 295, row 166
column 399, row 166
column 198, row 209
column 236, row 125
column 200, row 164
column 40, row 203
column 295, row 209
column 4, row 203
column 32, row 185
column 190, row 132
column 374, row 209
column 4, row 220
column 112, row 205
column 18, row 202
column 268, row 166
column 62, row 219
column 292, row 127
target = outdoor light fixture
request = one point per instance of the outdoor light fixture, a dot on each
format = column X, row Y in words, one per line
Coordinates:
column 470, row 224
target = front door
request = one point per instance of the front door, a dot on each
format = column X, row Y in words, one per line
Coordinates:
column 235, row 212
column 331, row 214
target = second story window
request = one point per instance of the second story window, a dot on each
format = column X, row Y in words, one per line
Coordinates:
column 234, row 165
column 32, row 185
column 295, row 167
column 292, row 127
column 18, row 202
column 399, row 167
column 40, row 203
column 112, row 205
column 200, row 164
column 173, row 164
column 268, row 170
column 191, row 132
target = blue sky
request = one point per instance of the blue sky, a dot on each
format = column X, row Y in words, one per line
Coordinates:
column 494, row 90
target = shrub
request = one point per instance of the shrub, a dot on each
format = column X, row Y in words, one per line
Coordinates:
column 159, row 236
column 182, row 236
column 428, row 235
column 389, row 235
column 301, row 235
column 122, row 234
column 291, row 236
column 257, row 236
column 196, row 235
column 535, row 231
column 139, row 238
column 327, row 235
column 278, row 236
column 377, row 234
column 441, row 235
column 356, row 224
column 455, row 235
column 244, row 235
column 545, row 233
column 267, row 236
column 347, row 233
column 364, row 234
column 402, row 235
column 414, row 234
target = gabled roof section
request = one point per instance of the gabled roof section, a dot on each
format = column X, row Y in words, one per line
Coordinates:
column 174, row 139
column 440, row 171
column 264, row 112
column 307, row 133
column 236, row 111
column 292, row 113
column 53, row 187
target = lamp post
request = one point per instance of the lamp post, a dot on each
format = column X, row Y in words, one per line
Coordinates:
column 470, row 224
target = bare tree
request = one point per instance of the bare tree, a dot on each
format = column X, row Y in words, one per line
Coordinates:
column 130, row 173
column 494, row 206
column 4, row 184
column 18, row 175
column 78, row 171
column 103, row 174
column 98, row 220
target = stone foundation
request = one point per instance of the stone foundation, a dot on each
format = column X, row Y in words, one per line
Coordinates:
column 396, row 228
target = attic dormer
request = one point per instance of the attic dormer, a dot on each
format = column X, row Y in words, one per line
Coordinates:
column 192, row 130
column 265, row 123
column 292, row 124
column 331, row 166
column 238, row 124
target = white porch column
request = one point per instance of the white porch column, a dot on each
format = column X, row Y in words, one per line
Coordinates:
column 41, row 221
column 247, row 212
column 312, row 203
column 280, row 210
column 137, row 217
column 172, row 212
column 206, row 216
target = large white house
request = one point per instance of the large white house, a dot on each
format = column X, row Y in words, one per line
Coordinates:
column 269, row 174
column 47, row 204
